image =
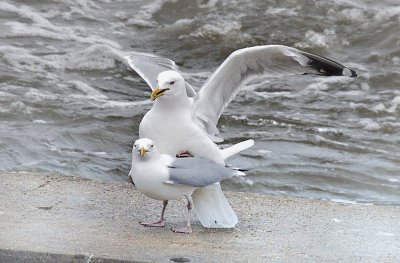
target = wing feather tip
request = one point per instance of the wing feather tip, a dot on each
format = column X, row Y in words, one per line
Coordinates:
column 349, row 73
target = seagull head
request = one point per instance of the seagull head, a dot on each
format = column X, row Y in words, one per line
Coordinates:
column 144, row 148
column 170, row 85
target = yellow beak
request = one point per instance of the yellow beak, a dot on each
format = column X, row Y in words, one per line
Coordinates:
column 143, row 151
column 157, row 92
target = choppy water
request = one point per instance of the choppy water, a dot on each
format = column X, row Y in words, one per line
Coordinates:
column 69, row 104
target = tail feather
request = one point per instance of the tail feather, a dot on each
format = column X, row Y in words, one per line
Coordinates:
column 212, row 208
column 234, row 149
column 210, row 204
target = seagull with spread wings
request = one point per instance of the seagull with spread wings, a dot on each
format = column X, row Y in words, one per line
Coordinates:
column 184, row 123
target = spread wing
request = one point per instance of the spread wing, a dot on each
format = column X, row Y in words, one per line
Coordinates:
column 148, row 67
column 246, row 64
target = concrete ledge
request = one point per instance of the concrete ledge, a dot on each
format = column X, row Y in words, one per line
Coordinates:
column 8, row 255
column 54, row 218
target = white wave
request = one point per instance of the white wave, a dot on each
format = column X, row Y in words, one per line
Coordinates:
column 350, row 93
column 264, row 152
column 184, row 22
column 100, row 153
column 325, row 39
column 145, row 16
column 350, row 15
column 379, row 107
column 329, row 130
column 97, row 56
column 42, row 27
column 212, row 30
column 6, row 96
column 386, row 13
column 39, row 121
column 370, row 125
column 36, row 95
column 3, row 110
column 320, row 86
column 281, row 11
column 82, row 7
column 319, row 138
column 96, row 98
column 125, row 104
column 26, row 12
column 278, row 94
column 19, row 106
column 207, row 4
column 327, row 84
column 392, row 106
column 365, row 86
column 22, row 60
column 395, row 103
column 239, row 118
column 19, row 29
column 87, row 90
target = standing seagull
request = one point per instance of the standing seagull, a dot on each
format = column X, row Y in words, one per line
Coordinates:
column 162, row 177
column 185, row 123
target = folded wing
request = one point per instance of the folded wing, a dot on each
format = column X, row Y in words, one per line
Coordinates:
column 198, row 172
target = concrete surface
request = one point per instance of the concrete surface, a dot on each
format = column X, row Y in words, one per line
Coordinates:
column 54, row 218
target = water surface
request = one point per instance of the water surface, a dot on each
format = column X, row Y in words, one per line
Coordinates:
column 69, row 104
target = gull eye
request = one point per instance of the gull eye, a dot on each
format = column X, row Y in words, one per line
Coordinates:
column 152, row 145
column 172, row 83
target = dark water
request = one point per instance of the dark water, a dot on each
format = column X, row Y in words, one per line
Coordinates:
column 69, row 103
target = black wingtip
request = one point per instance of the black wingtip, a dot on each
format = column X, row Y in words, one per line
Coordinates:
column 131, row 180
column 328, row 67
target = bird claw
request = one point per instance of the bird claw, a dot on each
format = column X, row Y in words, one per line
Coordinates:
column 183, row 154
column 185, row 230
column 154, row 224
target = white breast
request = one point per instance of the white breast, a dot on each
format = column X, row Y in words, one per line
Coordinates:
column 173, row 133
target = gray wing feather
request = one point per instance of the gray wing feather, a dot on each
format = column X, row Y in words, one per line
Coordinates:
column 197, row 172
column 148, row 66
column 246, row 64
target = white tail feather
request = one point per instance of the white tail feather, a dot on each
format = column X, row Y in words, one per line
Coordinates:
column 238, row 147
column 212, row 208
column 210, row 204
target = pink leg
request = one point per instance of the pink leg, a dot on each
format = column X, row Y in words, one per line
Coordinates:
column 186, row 229
column 183, row 154
column 159, row 223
